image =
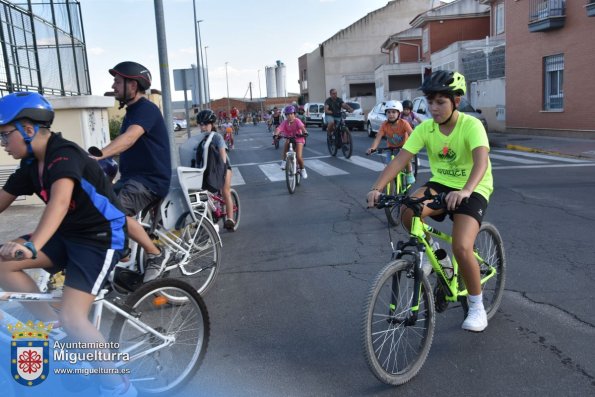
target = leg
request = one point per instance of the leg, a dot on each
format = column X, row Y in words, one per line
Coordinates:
column 299, row 148
column 13, row 278
column 464, row 232
column 226, row 193
column 138, row 234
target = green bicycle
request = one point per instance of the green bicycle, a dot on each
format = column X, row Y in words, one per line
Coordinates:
column 398, row 186
column 399, row 312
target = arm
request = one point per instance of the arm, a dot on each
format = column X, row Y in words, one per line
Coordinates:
column 223, row 154
column 123, row 142
column 52, row 217
column 480, row 165
column 376, row 140
column 345, row 106
column 389, row 173
column 6, row 199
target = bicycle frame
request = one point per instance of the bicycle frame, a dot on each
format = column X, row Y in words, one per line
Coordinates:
column 418, row 240
column 97, row 311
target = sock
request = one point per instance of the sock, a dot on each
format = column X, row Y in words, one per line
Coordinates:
column 475, row 301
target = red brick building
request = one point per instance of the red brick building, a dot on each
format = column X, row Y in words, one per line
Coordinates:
column 550, row 58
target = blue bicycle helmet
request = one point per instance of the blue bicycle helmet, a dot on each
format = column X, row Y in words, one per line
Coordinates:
column 26, row 105
column 29, row 105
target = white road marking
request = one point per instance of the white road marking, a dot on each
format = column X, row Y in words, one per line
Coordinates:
column 273, row 171
column 366, row 163
column 236, row 177
column 323, row 168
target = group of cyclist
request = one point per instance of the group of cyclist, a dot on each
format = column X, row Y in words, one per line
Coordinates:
column 85, row 225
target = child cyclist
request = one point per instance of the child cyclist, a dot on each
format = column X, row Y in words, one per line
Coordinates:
column 396, row 132
column 227, row 130
column 409, row 115
column 457, row 147
column 82, row 229
column 292, row 127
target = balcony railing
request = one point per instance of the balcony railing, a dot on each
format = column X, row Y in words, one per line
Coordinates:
column 590, row 8
column 546, row 15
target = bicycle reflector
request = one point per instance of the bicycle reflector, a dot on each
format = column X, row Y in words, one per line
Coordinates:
column 160, row 300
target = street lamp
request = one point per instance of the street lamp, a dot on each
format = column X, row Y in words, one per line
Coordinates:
column 198, row 79
column 227, row 85
column 208, row 85
column 260, row 94
column 201, row 69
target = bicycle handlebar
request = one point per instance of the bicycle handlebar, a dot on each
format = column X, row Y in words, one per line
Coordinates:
column 379, row 150
column 438, row 200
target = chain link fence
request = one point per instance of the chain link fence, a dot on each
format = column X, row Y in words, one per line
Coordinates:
column 43, row 48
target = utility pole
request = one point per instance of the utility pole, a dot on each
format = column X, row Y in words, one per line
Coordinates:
column 198, row 79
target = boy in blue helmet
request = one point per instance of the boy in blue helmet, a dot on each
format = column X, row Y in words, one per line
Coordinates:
column 82, row 229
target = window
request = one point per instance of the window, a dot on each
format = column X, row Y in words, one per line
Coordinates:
column 425, row 45
column 499, row 18
column 553, row 82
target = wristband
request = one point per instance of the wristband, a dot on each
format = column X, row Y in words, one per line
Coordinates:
column 31, row 247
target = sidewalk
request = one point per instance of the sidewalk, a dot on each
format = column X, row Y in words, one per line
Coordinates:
column 568, row 147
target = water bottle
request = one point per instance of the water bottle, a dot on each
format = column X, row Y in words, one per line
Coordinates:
column 444, row 260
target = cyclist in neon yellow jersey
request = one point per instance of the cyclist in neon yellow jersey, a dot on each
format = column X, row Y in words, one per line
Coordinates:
column 458, row 152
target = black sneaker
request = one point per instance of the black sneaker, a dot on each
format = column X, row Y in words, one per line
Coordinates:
column 230, row 225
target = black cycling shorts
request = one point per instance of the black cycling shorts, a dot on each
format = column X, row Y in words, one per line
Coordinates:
column 475, row 206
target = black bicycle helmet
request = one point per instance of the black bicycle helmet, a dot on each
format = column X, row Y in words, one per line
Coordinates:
column 206, row 117
column 407, row 104
column 444, row 82
column 133, row 71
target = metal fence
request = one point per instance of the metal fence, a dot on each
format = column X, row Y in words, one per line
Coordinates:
column 43, row 48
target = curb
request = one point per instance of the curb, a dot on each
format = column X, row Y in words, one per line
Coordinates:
column 521, row 148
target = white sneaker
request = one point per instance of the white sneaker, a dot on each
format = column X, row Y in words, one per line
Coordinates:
column 304, row 173
column 426, row 266
column 283, row 165
column 155, row 264
column 476, row 321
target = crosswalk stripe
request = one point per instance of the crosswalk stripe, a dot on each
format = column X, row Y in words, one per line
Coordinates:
column 236, row 177
column 544, row 156
column 366, row 163
column 273, row 171
column 324, row 169
column 514, row 159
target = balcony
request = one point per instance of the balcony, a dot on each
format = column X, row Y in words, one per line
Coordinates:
column 545, row 15
column 590, row 8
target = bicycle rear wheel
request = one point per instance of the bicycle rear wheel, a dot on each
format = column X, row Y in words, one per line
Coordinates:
column 396, row 344
column 290, row 177
column 347, row 146
column 331, row 144
column 489, row 246
column 188, row 326
column 200, row 266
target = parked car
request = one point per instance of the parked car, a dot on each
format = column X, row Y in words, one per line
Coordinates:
column 353, row 120
column 179, row 124
column 420, row 106
column 375, row 119
column 314, row 113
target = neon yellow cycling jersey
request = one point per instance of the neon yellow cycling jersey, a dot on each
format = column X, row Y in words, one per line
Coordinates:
column 451, row 158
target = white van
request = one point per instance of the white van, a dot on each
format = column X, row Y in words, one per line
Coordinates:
column 314, row 113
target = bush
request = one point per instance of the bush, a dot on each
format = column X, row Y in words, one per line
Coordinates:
column 114, row 127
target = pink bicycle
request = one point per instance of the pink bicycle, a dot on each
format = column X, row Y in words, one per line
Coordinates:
column 217, row 209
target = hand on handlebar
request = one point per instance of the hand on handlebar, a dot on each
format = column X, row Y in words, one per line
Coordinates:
column 370, row 151
column 14, row 251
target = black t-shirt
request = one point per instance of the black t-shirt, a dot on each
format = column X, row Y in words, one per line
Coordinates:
column 94, row 216
column 335, row 106
column 148, row 161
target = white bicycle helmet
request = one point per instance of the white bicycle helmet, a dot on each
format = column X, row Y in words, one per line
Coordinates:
column 393, row 105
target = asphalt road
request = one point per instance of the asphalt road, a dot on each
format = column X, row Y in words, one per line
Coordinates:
column 286, row 309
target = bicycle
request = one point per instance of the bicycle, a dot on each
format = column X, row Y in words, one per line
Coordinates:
column 236, row 126
column 216, row 205
column 293, row 175
column 398, row 186
column 228, row 138
column 165, row 342
column 340, row 138
column 399, row 312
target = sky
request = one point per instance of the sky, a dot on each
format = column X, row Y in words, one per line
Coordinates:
column 249, row 35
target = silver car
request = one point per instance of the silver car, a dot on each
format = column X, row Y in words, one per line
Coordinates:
column 376, row 117
column 420, row 106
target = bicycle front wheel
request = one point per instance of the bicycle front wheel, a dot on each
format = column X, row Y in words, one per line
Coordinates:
column 187, row 328
column 331, row 144
column 393, row 214
column 290, row 177
column 347, row 146
column 200, row 264
column 397, row 340
column 489, row 247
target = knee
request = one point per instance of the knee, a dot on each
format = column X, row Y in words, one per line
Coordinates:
column 462, row 252
column 71, row 323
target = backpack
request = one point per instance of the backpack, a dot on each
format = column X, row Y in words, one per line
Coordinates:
column 214, row 175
